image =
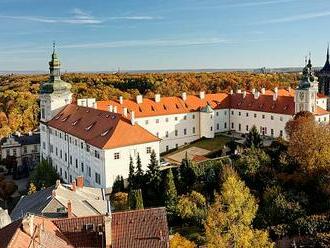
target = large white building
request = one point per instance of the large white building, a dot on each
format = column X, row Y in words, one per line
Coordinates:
column 95, row 139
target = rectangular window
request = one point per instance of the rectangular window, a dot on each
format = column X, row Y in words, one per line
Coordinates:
column 281, row 133
column 56, row 151
column 185, row 131
column 225, row 112
column 60, row 171
column 166, row 119
column 146, row 122
column 218, row 126
column 96, row 154
column 43, row 145
column 88, row 148
column 239, row 127
column 247, row 114
column 263, row 116
column 116, row 155
column 281, row 118
column 247, row 128
column 239, row 113
column 255, row 115
column 89, row 171
column 272, row 132
column 166, row 134
column 167, row 148
column 70, row 159
column 70, row 179
column 185, row 117
column 225, row 125
column 272, row 117
column 65, row 175
column 211, row 129
column 193, row 130
column 25, row 149
column 76, row 163
column 148, row 149
column 61, row 155
column 217, row 113
column 157, row 134
column 193, row 116
column 81, row 145
column 97, row 178
column 232, row 125
column 51, row 148
column 75, row 142
column 157, row 120
column 176, row 118
column 176, row 132
column 82, row 166
column 232, row 112
column 176, row 146
column 14, row 152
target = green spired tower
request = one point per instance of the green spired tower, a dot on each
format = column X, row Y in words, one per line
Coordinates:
column 55, row 93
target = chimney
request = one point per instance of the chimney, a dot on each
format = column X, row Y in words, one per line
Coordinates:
column 253, row 91
column 157, row 98
column 139, row 99
column 202, row 95
column 73, row 186
column 53, row 193
column 110, row 108
column 231, row 92
column 115, row 109
column 275, row 95
column 69, row 209
column 184, row 96
column 28, row 225
column 107, row 230
column 57, row 184
column 263, row 91
column 80, row 182
column 133, row 118
column 121, row 100
column 256, row 95
column 238, row 91
column 244, row 93
column 125, row 111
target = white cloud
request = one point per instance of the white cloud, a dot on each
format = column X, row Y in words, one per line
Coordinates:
column 78, row 16
column 150, row 42
column 295, row 18
column 259, row 3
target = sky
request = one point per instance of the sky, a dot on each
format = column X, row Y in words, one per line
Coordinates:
column 104, row 35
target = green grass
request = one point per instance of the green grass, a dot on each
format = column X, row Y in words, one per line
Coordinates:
column 212, row 144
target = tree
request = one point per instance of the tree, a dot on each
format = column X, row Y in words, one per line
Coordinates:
column 186, row 175
column 309, row 144
column 153, row 173
column 139, row 175
column 43, row 175
column 179, row 241
column 253, row 138
column 7, row 189
column 120, row 201
column 229, row 219
column 171, row 195
column 131, row 174
column 192, row 207
column 32, row 189
column 251, row 161
column 135, row 199
column 118, row 185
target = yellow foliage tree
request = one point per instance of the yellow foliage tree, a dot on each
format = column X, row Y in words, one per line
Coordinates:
column 229, row 219
column 178, row 241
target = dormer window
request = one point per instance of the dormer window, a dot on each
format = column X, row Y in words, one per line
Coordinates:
column 90, row 126
column 75, row 122
column 58, row 117
column 105, row 132
column 65, row 118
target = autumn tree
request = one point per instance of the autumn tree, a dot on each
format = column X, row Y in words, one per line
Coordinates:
column 229, row 219
column 192, row 207
column 120, row 201
column 179, row 241
column 309, row 143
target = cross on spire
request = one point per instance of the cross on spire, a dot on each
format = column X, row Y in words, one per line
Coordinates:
column 54, row 46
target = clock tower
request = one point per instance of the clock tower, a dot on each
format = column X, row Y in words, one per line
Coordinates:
column 306, row 92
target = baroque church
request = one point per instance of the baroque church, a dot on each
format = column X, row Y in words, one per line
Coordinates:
column 324, row 77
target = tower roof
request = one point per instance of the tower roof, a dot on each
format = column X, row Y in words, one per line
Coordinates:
column 326, row 67
column 308, row 78
column 55, row 84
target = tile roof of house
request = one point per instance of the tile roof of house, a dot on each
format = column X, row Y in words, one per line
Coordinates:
column 100, row 128
column 85, row 201
column 321, row 111
column 130, row 229
column 45, row 234
column 167, row 105
column 30, row 139
column 176, row 105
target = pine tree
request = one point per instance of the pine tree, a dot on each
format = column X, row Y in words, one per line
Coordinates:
column 118, row 185
column 135, row 199
column 153, row 173
column 139, row 176
column 187, row 175
column 253, row 138
column 131, row 174
column 171, row 195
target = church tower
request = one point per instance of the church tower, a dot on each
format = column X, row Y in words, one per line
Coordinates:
column 324, row 76
column 55, row 93
column 306, row 92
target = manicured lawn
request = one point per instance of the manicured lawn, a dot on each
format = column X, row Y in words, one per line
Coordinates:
column 212, row 144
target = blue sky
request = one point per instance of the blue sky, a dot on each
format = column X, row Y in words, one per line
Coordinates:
column 95, row 35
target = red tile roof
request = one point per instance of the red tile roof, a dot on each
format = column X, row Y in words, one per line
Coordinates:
column 100, row 128
column 321, row 111
column 130, row 229
column 168, row 105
